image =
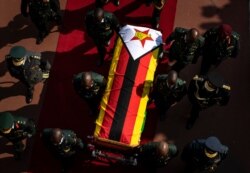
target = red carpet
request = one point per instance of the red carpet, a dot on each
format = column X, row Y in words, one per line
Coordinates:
column 76, row 53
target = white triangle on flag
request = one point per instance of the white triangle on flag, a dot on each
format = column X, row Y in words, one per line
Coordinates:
column 140, row 40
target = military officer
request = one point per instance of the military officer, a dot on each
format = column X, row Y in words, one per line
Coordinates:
column 90, row 86
column 204, row 92
column 101, row 3
column 16, row 130
column 168, row 91
column 28, row 67
column 64, row 144
column 186, row 46
column 220, row 43
column 204, row 154
column 100, row 27
column 158, row 7
column 42, row 13
column 155, row 154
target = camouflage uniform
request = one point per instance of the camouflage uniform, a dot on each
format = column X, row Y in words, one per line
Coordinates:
column 92, row 95
column 164, row 96
column 21, row 129
column 101, row 33
column 215, row 50
column 41, row 14
column 183, row 52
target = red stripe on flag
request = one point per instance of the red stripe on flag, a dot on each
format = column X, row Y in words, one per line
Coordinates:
column 114, row 93
column 136, row 95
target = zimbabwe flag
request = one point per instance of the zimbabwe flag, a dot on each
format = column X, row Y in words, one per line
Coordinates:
column 131, row 74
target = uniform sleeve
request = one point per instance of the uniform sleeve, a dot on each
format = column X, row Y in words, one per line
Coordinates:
column 115, row 23
column 27, row 126
column 236, row 49
column 88, row 21
column 183, row 91
column 171, row 37
column 191, row 90
column 55, row 6
column 178, row 31
column 199, row 49
column 225, row 96
column 24, row 7
column 99, row 79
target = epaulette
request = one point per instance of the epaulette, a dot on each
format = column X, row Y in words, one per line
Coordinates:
column 181, row 82
column 236, row 35
column 7, row 56
column 180, row 30
column 226, row 87
column 36, row 57
column 196, row 77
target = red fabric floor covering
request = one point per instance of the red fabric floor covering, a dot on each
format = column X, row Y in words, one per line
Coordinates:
column 76, row 53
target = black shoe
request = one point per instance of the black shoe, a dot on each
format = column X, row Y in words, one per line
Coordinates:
column 117, row 3
column 28, row 99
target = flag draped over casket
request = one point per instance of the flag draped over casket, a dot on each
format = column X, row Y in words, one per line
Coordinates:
column 131, row 74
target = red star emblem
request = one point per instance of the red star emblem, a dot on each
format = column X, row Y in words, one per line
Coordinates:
column 142, row 36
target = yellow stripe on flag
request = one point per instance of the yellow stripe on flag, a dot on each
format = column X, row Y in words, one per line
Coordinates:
column 105, row 98
column 135, row 140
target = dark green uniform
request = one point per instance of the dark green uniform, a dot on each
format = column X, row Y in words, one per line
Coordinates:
column 20, row 128
column 41, row 14
column 165, row 96
column 196, row 159
column 33, row 71
column 183, row 52
column 201, row 98
column 101, row 32
column 67, row 149
column 216, row 50
column 147, row 155
column 92, row 95
column 158, row 7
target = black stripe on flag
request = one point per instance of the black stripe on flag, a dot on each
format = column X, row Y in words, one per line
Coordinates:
column 124, row 99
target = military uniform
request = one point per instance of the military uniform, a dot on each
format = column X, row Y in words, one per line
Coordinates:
column 158, row 7
column 148, row 155
column 32, row 71
column 197, row 157
column 101, row 3
column 165, row 96
column 201, row 98
column 16, row 130
column 216, row 50
column 41, row 14
column 92, row 95
column 102, row 32
column 181, row 51
column 67, row 149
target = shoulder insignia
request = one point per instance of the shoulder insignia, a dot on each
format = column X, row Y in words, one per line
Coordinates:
column 236, row 35
column 7, row 56
column 180, row 30
column 196, row 77
column 36, row 57
column 226, row 87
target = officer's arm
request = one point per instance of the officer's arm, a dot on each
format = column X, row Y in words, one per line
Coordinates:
column 198, row 51
column 183, row 92
column 171, row 37
column 24, row 8
column 30, row 127
column 236, row 49
column 88, row 25
column 115, row 23
column 8, row 65
column 55, row 6
column 225, row 95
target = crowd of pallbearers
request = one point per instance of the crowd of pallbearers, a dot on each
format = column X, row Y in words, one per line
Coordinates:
column 186, row 46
